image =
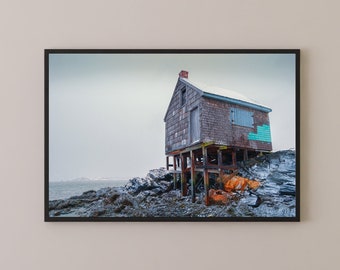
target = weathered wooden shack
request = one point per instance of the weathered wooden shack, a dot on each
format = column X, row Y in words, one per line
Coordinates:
column 209, row 129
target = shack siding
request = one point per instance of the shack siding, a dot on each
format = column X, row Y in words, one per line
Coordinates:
column 177, row 124
column 214, row 123
column 216, row 126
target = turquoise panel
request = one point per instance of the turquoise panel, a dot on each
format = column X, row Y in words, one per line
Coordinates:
column 263, row 134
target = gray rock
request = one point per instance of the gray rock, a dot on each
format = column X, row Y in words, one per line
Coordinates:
column 153, row 195
column 287, row 189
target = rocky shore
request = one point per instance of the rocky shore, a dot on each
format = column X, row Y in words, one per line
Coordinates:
column 154, row 196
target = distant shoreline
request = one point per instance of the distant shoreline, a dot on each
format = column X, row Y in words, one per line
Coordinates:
column 65, row 189
column 93, row 179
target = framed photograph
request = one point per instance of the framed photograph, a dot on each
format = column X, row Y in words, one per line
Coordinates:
column 172, row 135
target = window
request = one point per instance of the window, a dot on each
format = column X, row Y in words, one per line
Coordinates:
column 241, row 117
column 183, row 96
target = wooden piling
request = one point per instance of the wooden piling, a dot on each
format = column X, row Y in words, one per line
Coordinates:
column 220, row 171
column 183, row 176
column 193, row 176
column 175, row 173
column 205, row 175
column 245, row 154
column 233, row 155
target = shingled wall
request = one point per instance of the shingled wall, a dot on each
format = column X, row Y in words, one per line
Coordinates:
column 216, row 126
column 177, row 118
column 215, row 123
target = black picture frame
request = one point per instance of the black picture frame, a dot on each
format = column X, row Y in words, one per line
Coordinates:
column 48, row 53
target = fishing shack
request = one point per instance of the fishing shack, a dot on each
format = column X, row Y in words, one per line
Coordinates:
column 209, row 129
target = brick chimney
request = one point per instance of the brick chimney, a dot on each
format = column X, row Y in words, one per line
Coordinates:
column 184, row 74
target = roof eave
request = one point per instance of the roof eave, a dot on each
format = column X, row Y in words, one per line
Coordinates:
column 237, row 102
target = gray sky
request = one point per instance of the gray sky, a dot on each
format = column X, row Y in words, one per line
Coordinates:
column 107, row 110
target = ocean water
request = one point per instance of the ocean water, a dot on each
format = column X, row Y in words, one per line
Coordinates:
column 66, row 189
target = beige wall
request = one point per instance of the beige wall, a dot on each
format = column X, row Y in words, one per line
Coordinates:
column 27, row 27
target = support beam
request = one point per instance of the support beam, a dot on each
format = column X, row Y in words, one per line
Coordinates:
column 188, row 149
column 193, row 176
column 183, row 176
column 167, row 163
column 233, row 155
column 206, row 187
column 175, row 174
column 220, row 171
column 245, row 154
column 205, row 175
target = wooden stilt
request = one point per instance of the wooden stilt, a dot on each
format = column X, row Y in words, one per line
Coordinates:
column 193, row 176
column 183, row 177
column 233, row 155
column 245, row 154
column 175, row 174
column 167, row 163
column 219, row 162
column 206, row 187
column 205, row 175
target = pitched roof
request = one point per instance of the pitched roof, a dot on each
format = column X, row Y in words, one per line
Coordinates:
column 221, row 94
column 225, row 95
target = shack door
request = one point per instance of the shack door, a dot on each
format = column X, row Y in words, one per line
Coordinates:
column 194, row 126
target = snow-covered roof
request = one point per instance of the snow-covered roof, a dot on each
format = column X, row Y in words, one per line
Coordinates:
column 225, row 95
